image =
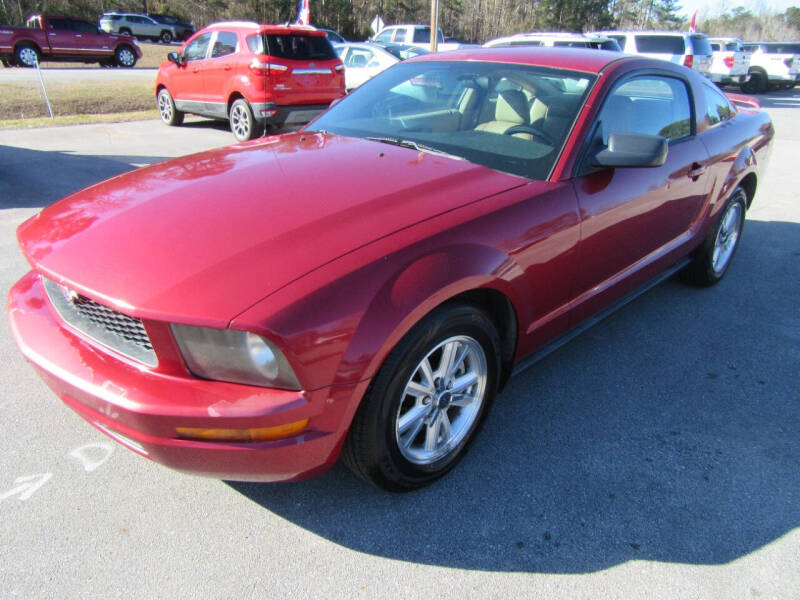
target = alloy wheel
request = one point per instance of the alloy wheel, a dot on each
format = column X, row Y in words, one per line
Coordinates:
column 727, row 237
column 442, row 400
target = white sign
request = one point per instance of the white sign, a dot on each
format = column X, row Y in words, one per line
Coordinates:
column 376, row 25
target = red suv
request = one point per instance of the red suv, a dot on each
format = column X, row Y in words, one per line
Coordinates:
column 251, row 75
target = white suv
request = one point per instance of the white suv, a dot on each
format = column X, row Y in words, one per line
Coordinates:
column 730, row 62
column 772, row 64
column 683, row 48
column 413, row 35
column 564, row 40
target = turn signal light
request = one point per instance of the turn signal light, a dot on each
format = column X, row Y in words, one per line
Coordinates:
column 688, row 61
column 255, row 434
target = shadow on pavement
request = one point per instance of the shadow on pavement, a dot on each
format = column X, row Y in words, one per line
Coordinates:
column 35, row 178
column 667, row 433
column 780, row 98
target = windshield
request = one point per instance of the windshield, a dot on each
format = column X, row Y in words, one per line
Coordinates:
column 510, row 118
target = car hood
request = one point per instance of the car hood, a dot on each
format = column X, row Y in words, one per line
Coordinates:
column 201, row 238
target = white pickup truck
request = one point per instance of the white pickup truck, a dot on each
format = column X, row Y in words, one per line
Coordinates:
column 729, row 61
column 772, row 64
column 413, row 35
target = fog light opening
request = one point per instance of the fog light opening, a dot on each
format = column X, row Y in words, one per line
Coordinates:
column 253, row 434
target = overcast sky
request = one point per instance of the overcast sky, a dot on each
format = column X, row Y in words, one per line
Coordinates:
column 716, row 7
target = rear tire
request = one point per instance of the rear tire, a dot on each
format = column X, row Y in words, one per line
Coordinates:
column 712, row 259
column 422, row 410
column 125, row 31
column 166, row 37
column 27, row 55
column 242, row 121
column 757, row 83
column 166, row 109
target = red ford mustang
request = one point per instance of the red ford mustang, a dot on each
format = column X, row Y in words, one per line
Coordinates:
column 366, row 286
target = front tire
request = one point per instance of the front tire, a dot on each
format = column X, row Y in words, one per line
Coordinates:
column 242, row 121
column 713, row 258
column 427, row 402
column 166, row 109
column 125, row 57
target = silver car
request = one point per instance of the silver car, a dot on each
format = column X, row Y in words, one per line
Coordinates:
column 140, row 26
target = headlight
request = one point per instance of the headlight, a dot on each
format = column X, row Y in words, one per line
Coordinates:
column 236, row 356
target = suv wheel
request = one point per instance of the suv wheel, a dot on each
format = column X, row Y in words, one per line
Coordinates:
column 166, row 37
column 125, row 31
column 243, row 123
column 166, row 108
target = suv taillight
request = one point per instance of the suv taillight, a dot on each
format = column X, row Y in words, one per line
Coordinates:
column 688, row 61
column 729, row 61
column 258, row 67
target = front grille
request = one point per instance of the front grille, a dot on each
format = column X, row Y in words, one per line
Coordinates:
column 103, row 324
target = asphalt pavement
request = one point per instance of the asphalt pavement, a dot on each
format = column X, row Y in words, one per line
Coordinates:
column 655, row 456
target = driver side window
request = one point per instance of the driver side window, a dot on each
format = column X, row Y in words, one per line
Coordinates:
column 651, row 104
column 197, row 49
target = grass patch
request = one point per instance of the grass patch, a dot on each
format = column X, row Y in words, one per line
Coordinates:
column 78, row 119
column 25, row 100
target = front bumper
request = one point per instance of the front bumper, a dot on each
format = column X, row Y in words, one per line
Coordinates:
column 141, row 408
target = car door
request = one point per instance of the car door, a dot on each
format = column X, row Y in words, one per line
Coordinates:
column 633, row 217
column 188, row 77
column 217, row 70
column 61, row 36
column 91, row 40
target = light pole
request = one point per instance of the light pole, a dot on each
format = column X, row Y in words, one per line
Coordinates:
column 434, row 24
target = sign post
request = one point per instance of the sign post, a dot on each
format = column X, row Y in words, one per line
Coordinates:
column 434, row 24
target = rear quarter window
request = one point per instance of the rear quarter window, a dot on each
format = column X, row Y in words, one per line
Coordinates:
column 718, row 108
column 660, row 44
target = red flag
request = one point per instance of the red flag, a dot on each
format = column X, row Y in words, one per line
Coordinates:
column 693, row 22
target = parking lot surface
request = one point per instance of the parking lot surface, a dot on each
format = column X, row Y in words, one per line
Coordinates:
column 655, row 456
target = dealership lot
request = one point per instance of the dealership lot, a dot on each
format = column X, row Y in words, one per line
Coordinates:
column 655, row 456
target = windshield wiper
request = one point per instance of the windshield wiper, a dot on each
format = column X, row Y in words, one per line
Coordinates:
column 413, row 145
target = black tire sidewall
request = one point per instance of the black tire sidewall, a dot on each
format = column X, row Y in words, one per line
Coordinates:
column 388, row 387
column 250, row 116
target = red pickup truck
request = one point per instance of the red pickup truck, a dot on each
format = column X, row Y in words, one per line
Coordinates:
column 65, row 39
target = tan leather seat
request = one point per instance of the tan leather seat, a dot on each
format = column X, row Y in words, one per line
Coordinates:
column 511, row 110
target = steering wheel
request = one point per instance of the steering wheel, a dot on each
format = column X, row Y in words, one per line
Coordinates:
column 532, row 130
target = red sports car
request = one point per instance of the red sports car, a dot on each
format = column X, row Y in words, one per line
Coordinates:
column 366, row 286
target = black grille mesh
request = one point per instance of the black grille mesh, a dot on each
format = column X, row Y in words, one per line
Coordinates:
column 102, row 323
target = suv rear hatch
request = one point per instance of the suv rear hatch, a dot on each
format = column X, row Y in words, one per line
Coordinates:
column 673, row 48
column 303, row 67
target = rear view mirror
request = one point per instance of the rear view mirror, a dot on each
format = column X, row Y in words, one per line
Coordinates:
column 175, row 57
column 632, row 150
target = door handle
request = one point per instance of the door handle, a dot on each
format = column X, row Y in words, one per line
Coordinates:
column 697, row 170
column 227, row 67
column 195, row 70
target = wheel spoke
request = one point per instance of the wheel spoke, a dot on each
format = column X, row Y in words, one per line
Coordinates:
column 448, row 357
column 432, row 435
column 461, row 400
column 464, row 383
column 425, row 369
column 444, row 427
column 418, row 390
column 412, row 417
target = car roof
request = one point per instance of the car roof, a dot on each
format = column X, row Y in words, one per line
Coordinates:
column 647, row 32
column 572, row 59
column 264, row 28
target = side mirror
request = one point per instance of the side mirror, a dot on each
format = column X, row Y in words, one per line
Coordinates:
column 632, row 150
column 175, row 57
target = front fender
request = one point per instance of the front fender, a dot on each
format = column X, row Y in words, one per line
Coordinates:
column 341, row 331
